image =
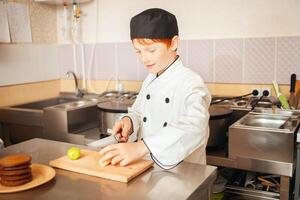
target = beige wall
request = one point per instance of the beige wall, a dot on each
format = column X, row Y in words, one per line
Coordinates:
column 23, row 93
column 96, row 86
column 108, row 20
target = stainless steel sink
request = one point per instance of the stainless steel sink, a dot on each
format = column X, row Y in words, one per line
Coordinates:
column 291, row 113
column 39, row 105
column 264, row 141
column 75, row 105
column 264, row 121
column 31, row 120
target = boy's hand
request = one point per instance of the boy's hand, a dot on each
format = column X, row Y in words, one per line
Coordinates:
column 123, row 129
column 123, row 153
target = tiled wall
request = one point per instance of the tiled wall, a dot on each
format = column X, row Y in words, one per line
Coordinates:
column 248, row 60
column 28, row 63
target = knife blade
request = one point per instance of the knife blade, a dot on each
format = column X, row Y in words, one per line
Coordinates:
column 112, row 139
column 104, row 142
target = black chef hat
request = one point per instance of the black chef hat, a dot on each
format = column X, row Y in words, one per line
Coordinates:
column 154, row 23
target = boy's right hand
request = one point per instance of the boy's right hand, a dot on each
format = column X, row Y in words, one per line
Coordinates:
column 123, row 129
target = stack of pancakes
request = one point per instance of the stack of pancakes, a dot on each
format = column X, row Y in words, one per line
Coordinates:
column 15, row 170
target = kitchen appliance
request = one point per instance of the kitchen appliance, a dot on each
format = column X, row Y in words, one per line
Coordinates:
column 264, row 141
column 218, row 125
column 88, row 164
column 112, row 107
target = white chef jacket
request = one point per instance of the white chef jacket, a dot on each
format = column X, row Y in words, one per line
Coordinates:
column 171, row 116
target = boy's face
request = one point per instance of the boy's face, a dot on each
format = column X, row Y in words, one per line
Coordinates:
column 156, row 56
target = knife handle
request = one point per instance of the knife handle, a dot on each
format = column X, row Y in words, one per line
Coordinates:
column 293, row 83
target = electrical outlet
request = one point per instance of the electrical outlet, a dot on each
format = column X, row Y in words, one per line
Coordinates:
column 267, row 89
column 259, row 92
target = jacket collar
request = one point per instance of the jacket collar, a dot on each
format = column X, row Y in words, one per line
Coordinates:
column 167, row 73
column 171, row 65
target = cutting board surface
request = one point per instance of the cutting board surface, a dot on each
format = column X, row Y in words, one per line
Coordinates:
column 88, row 164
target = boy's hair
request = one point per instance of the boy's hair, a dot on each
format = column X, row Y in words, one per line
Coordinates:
column 145, row 41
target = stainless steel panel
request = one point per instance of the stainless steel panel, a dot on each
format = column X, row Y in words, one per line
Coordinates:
column 65, row 125
column 21, row 116
column 186, row 181
column 39, row 105
column 108, row 119
column 266, row 121
column 69, row 114
column 233, row 192
column 261, row 144
column 264, row 142
column 265, row 166
column 293, row 113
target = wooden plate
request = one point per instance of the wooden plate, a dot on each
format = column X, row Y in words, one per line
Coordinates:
column 40, row 175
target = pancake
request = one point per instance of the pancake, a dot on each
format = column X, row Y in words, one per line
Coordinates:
column 16, row 167
column 16, row 177
column 14, row 160
column 15, row 183
column 15, row 172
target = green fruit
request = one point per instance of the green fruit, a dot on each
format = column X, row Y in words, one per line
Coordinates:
column 73, row 153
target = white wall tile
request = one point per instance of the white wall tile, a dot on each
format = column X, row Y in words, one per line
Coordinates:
column 65, row 59
column 255, row 61
column 228, row 60
column 46, row 61
column 28, row 63
column 200, row 58
column 101, row 65
column 288, row 59
column 143, row 72
column 183, row 51
column 259, row 60
column 127, row 64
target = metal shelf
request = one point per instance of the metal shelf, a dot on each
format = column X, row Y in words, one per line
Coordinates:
column 220, row 158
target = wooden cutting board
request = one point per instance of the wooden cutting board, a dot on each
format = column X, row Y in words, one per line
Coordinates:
column 88, row 164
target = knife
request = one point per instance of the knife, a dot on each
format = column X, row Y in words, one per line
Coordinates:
column 112, row 139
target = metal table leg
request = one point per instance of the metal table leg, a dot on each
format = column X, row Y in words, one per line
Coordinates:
column 297, row 176
column 284, row 187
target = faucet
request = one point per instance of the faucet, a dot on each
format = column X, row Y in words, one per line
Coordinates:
column 78, row 92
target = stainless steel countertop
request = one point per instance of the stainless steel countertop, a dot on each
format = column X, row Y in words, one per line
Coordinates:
column 182, row 182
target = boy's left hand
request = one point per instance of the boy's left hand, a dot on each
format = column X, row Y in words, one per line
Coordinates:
column 123, row 153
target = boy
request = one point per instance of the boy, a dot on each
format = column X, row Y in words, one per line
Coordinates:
column 170, row 115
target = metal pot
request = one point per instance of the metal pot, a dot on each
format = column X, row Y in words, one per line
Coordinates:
column 110, row 112
column 218, row 125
